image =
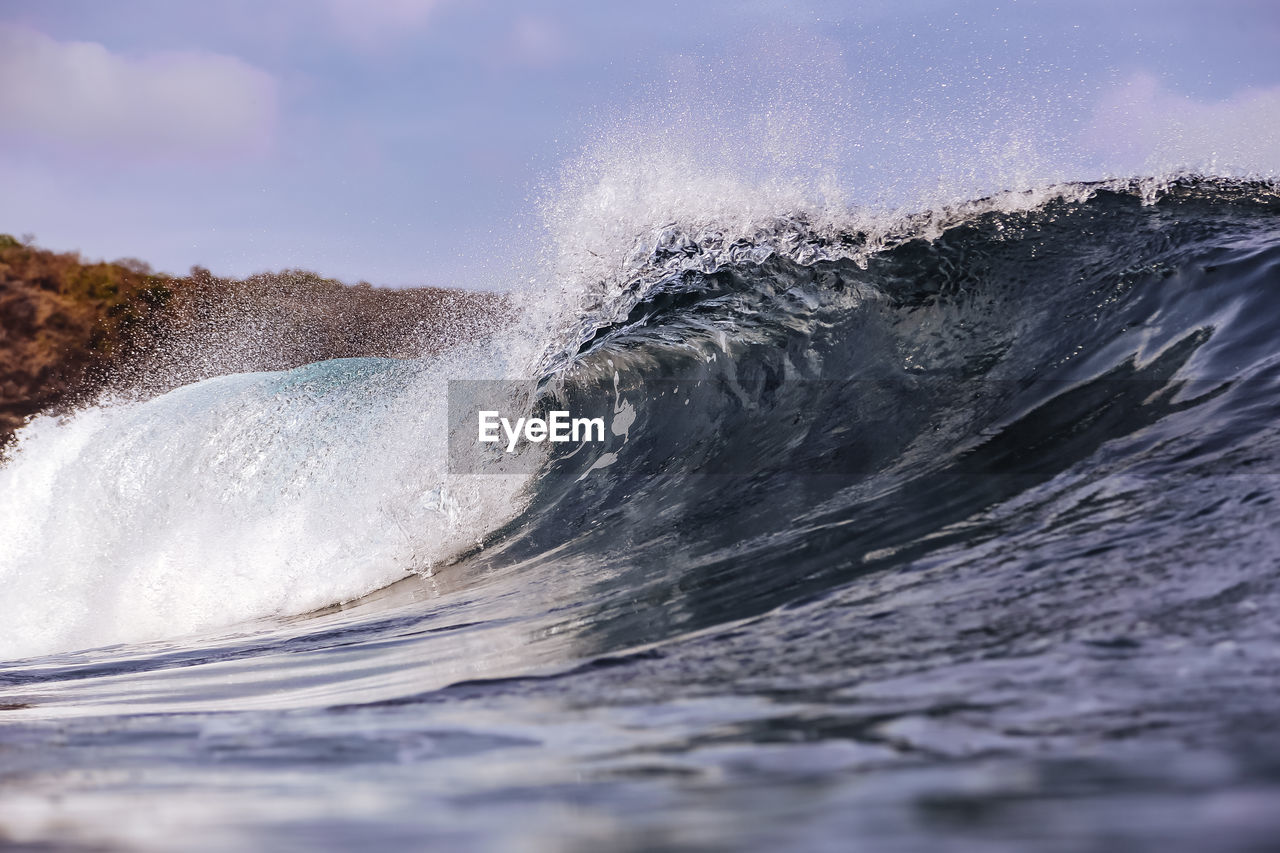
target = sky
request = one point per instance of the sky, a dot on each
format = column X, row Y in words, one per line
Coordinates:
column 415, row 142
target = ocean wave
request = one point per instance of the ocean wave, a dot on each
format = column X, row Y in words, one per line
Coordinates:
column 806, row 398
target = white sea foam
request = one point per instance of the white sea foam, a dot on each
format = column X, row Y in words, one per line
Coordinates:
column 234, row 498
column 697, row 178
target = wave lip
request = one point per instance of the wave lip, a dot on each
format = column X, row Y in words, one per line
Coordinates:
column 682, row 256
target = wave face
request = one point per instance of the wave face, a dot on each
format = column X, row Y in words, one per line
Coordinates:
column 952, row 498
column 817, row 409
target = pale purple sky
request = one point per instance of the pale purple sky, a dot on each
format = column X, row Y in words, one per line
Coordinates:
column 403, row 141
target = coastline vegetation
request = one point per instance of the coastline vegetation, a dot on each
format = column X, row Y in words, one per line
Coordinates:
column 71, row 328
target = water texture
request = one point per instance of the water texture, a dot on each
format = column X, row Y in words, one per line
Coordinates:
column 946, row 531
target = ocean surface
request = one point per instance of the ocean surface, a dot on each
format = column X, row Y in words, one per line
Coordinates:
column 950, row 530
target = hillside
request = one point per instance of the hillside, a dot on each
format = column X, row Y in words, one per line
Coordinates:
column 70, row 329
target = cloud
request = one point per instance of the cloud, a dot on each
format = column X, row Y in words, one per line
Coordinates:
column 176, row 103
column 536, row 42
column 1140, row 123
column 370, row 21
